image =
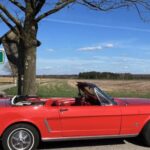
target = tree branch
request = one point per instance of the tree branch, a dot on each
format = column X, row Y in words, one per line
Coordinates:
column 57, row 8
column 16, row 3
column 139, row 12
column 12, row 28
column 8, row 14
column 104, row 5
column 100, row 5
column 6, row 21
column 39, row 6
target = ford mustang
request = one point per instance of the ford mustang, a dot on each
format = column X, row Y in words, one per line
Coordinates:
column 25, row 120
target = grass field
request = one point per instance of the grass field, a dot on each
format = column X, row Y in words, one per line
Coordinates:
column 67, row 87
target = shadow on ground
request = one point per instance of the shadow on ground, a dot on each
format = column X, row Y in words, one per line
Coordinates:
column 88, row 143
column 76, row 144
column 85, row 143
column 137, row 141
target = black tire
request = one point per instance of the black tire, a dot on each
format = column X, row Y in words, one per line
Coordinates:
column 145, row 135
column 20, row 135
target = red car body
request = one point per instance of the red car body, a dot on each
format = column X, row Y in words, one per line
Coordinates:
column 61, row 119
column 127, row 118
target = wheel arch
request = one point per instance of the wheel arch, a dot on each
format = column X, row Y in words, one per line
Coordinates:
column 23, row 122
column 144, row 125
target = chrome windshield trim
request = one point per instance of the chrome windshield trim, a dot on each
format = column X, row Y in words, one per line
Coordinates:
column 89, row 137
column 99, row 94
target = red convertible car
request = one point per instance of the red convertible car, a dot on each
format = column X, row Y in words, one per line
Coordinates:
column 25, row 120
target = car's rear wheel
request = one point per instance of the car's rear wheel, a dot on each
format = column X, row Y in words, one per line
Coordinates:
column 20, row 137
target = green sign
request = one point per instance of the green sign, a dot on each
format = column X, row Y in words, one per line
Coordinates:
column 1, row 57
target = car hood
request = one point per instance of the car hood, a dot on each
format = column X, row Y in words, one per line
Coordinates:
column 132, row 101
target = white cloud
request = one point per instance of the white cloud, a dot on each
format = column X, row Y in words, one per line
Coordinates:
column 50, row 50
column 109, row 45
column 46, row 68
column 99, row 25
column 99, row 47
column 92, row 48
column 97, row 63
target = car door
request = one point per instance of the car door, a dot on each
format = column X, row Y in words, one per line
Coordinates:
column 90, row 120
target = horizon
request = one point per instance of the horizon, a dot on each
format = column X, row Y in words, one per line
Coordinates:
column 9, row 75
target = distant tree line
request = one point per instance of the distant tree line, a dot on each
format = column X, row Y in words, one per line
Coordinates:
column 113, row 76
column 73, row 76
column 94, row 75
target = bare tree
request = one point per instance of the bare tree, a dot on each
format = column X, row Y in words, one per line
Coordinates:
column 7, row 68
column 25, row 27
column 10, row 44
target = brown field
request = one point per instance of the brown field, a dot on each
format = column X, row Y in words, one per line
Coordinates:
column 107, row 85
column 6, row 80
column 118, row 87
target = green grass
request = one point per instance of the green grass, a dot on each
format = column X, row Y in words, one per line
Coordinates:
column 62, row 89
column 11, row 91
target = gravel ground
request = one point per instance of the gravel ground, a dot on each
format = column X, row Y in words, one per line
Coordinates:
column 111, row 144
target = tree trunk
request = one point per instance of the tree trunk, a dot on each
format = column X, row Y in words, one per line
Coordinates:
column 29, row 84
column 29, row 59
column 29, row 36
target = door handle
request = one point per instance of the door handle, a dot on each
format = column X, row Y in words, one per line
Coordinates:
column 63, row 109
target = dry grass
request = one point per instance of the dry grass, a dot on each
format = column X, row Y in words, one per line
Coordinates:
column 139, row 88
column 121, row 88
column 6, row 80
column 107, row 85
column 118, row 85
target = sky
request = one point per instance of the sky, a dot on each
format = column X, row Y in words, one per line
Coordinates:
column 77, row 39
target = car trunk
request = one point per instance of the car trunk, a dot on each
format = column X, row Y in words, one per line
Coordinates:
column 4, row 102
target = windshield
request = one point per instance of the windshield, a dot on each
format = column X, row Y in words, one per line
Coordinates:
column 103, row 97
column 92, row 91
column 104, row 93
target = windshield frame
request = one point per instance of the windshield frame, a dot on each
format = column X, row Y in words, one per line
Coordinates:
column 103, row 97
column 100, row 94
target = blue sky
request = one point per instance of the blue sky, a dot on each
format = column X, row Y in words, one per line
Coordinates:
column 78, row 39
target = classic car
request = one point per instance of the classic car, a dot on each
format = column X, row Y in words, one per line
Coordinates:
column 26, row 120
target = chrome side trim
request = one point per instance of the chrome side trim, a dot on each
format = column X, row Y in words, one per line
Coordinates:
column 47, row 125
column 89, row 137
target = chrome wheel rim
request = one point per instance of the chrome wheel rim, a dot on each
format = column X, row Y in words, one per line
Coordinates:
column 21, row 140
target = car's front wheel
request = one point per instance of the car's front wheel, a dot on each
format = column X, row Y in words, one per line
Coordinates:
column 145, row 134
column 20, row 137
